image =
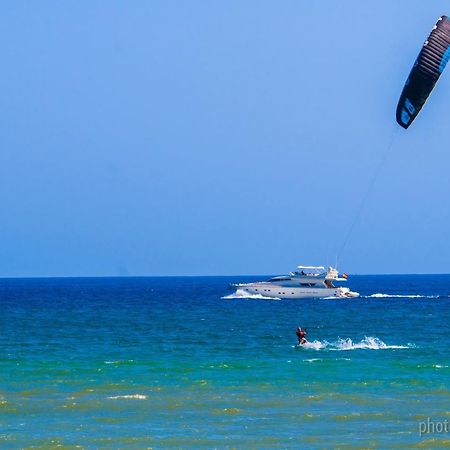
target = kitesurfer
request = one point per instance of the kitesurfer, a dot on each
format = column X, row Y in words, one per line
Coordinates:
column 301, row 334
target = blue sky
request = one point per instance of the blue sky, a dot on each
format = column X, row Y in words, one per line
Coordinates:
column 186, row 138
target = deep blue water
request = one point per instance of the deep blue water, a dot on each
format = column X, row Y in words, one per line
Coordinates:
column 167, row 362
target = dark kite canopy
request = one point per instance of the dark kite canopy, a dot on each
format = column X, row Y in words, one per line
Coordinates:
column 426, row 71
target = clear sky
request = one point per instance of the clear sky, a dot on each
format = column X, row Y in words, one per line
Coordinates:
column 200, row 137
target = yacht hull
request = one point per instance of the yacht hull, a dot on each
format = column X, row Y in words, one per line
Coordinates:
column 284, row 292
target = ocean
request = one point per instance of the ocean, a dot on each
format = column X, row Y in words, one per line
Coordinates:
column 168, row 362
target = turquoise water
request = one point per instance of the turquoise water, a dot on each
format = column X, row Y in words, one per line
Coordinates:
column 167, row 362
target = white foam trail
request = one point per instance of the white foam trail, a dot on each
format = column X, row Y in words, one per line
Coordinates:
column 240, row 293
column 400, row 296
column 368, row 343
column 315, row 345
column 132, row 396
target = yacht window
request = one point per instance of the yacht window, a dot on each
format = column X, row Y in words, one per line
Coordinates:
column 307, row 284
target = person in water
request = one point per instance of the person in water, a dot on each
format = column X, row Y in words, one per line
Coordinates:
column 301, row 334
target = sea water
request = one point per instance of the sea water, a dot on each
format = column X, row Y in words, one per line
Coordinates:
column 179, row 362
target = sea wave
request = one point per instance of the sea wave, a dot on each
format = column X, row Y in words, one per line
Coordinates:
column 240, row 293
column 131, row 396
column 368, row 343
column 120, row 362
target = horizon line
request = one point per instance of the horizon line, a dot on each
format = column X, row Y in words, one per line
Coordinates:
column 44, row 277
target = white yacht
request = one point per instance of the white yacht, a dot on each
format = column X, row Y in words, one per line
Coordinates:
column 306, row 282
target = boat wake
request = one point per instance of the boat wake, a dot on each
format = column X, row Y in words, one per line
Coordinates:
column 240, row 293
column 368, row 343
column 399, row 296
